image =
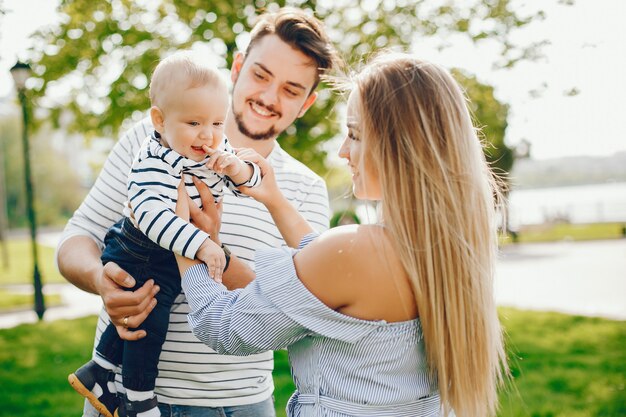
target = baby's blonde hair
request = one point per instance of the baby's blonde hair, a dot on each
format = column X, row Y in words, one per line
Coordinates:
column 180, row 71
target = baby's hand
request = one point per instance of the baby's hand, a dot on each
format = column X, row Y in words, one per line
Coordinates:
column 213, row 256
column 224, row 163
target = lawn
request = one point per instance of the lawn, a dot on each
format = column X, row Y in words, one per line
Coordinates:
column 558, row 232
column 10, row 301
column 562, row 366
column 20, row 268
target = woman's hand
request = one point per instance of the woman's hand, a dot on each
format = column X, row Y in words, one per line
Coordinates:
column 209, row 217
column 184, row 207
column 268, row 190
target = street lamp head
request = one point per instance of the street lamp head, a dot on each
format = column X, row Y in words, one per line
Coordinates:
column 20, row 73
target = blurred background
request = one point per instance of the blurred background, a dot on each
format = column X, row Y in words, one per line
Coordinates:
column 546, row 84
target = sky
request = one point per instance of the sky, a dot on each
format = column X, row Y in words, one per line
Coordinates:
column 587, row 53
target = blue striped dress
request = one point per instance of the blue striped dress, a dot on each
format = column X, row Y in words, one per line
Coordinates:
column 342, row 366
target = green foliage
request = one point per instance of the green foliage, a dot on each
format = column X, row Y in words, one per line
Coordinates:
column 57, row 188
column 102, row 51
column 343, row 217
column 490, row 116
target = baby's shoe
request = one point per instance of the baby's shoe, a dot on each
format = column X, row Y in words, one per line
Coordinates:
column 92, row 382
column 129, row 408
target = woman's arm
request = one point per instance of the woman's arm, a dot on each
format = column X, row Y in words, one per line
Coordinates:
column 240, row 322
column 238, row 274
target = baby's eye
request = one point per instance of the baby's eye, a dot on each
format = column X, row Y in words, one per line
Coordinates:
column 194, row 124
column 218, row 124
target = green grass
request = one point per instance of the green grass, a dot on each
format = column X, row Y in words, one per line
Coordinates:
column 562, row 366
column 20, row 269
column 283, row 384
column 35, row 360
column 11, row 301
column 558, row 232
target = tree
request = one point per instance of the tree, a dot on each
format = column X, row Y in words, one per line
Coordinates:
column 57, row 189
column 490, row 116
column 94, row 64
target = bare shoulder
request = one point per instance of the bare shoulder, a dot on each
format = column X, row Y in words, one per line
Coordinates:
column 349, row 267
column 350, row 240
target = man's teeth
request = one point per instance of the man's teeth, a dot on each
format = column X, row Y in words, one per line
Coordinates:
column 260, row 110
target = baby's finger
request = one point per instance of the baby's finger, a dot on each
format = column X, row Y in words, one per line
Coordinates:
column 210, row 164
column 210, row 151
column 226, row 162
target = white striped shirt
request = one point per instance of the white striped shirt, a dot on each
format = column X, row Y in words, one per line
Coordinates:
column 342, row 366
column 191, row 373
column 152, row 191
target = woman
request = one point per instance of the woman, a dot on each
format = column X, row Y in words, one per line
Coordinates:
column 394, row 318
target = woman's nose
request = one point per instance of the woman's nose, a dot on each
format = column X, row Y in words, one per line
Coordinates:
column 344, row 150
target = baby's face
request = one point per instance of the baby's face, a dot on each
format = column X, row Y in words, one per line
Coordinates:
column 195, row 117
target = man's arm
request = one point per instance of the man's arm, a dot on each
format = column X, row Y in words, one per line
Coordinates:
column 79, row 262
column 78, row 253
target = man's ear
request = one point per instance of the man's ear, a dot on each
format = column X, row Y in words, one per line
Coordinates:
column 308, row 103
column 157, row 119
column 235, row 69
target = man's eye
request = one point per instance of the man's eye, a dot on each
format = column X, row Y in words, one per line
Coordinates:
column 291, row 92
column 259, row 75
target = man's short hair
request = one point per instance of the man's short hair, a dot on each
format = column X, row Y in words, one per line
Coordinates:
column 301, row 31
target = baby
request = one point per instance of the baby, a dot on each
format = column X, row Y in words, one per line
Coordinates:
column 189, row 101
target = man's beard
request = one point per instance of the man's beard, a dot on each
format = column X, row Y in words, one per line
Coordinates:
column 268, row 134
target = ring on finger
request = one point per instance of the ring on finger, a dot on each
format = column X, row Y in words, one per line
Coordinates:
column 125, row 322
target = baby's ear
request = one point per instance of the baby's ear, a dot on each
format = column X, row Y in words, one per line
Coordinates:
column 157, row 118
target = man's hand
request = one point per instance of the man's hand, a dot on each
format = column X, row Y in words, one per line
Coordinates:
column 127, row 309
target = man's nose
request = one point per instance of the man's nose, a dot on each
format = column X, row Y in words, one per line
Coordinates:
column 270, row 95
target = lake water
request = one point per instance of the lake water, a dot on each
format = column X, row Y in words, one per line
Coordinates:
column 577, row 204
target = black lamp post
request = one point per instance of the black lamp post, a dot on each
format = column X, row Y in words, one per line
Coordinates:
column 20, row 73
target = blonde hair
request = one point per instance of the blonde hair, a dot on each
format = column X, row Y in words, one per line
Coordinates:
column 438, row 204
column 180, row 71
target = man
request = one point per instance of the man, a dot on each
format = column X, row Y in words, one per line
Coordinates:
column 273, row 84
